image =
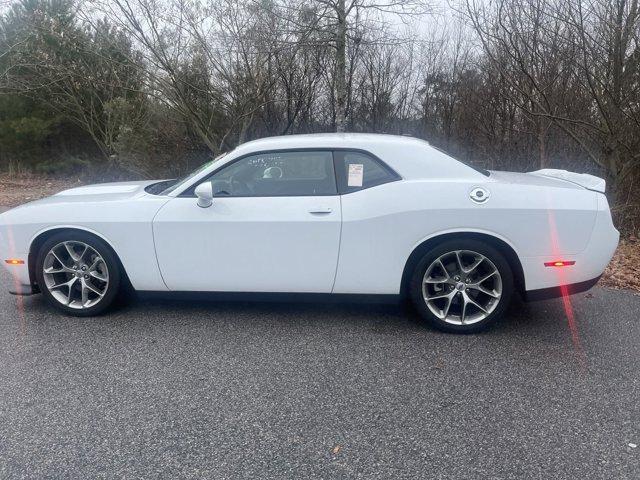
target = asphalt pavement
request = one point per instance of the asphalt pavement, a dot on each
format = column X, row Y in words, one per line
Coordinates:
column 184, row 389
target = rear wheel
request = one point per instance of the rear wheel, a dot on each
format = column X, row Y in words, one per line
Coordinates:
column 462, row 286
column 77, row 273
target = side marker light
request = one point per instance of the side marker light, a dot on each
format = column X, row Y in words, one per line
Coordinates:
column 560, row 263
column 14, row 261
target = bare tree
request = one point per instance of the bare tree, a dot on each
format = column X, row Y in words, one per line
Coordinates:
column 341, row 24
column 572, row 65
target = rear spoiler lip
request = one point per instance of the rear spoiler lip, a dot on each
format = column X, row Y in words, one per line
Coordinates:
column 585, row 180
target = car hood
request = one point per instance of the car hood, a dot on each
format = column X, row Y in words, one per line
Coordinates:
column 118, row 189
column 102, row 192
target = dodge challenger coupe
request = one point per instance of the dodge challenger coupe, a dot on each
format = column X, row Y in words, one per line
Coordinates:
column 326, row 214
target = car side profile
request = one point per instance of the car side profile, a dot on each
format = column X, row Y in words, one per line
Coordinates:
column 326, row 214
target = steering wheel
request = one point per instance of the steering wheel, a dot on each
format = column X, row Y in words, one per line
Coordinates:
column 239, row 186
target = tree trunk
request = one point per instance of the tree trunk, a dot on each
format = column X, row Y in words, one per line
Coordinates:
column 543, row 128
column 341, row 68
column 244, row 130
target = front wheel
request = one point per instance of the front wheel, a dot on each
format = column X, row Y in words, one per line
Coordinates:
column 78, row 273
column 462, row 286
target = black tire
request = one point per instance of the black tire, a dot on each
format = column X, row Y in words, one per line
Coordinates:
column 113, row 266
column 498, row 260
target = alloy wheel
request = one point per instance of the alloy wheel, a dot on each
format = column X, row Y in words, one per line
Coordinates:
column 75, row 274
column 462, row 287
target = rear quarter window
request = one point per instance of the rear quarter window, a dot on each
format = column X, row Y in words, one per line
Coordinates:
column 359, row 170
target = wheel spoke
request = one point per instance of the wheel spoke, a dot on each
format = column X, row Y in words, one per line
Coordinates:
column 444, row 269
column 71, row 252
column 436, row 297
column 475, row 304
column 445, row 310
column 93, row 289
column 486, row 291
column 474, row 265
column 97, row 275
column 463, row 311
column 84, row 252
column 52, row 270
column 55, row 255
column 68, row 283
column 485, row 278
column 85, row 294
column 459, row 260
column 435, row 281
column 95, row 263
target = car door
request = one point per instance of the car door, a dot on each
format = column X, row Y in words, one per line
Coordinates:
column 274, row 226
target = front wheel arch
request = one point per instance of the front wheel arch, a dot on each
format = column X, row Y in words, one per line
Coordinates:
column 431, row 243
column 42, row 237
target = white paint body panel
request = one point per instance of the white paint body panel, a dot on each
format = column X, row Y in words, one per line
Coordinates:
column 275, row 245
column 121, row 217
column 424, row 209
column 249, row 244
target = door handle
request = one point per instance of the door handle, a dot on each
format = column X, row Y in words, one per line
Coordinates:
column 321, row 210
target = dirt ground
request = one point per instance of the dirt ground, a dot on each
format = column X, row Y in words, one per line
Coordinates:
column 621, row 273
column 15, row 191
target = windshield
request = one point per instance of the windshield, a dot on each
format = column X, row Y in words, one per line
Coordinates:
column 180, row 182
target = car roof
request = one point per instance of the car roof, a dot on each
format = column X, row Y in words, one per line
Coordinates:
column 364, row 141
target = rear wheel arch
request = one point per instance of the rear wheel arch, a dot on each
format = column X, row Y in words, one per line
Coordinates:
column 497, row 243
column 42, row 237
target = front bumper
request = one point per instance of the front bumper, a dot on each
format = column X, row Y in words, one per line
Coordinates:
column 22, row 290
column 20, row 283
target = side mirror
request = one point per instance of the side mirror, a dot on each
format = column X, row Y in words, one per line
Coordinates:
column 204, row 192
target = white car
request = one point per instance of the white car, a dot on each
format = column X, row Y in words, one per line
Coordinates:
column 325, row 214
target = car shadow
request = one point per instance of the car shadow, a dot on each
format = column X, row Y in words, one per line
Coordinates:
column 539, row 319
column 381, row 315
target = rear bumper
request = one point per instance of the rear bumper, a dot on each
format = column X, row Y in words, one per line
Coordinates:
column 561, row 291
column 589, row 264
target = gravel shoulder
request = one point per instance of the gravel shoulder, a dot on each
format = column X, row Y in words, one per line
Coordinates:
column 15, row 191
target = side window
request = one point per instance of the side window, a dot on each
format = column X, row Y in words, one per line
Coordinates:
column 357, row 171
column 277, row 174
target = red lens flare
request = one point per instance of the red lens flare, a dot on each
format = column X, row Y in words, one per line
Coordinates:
column 16, row 261
column 563, row 281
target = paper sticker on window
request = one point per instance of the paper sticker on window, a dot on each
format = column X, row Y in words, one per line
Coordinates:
column 356, row 171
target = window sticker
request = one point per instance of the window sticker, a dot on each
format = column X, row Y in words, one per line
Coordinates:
column 356, row 172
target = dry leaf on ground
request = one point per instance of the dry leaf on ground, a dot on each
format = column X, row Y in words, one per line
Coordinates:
column 622, row 272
